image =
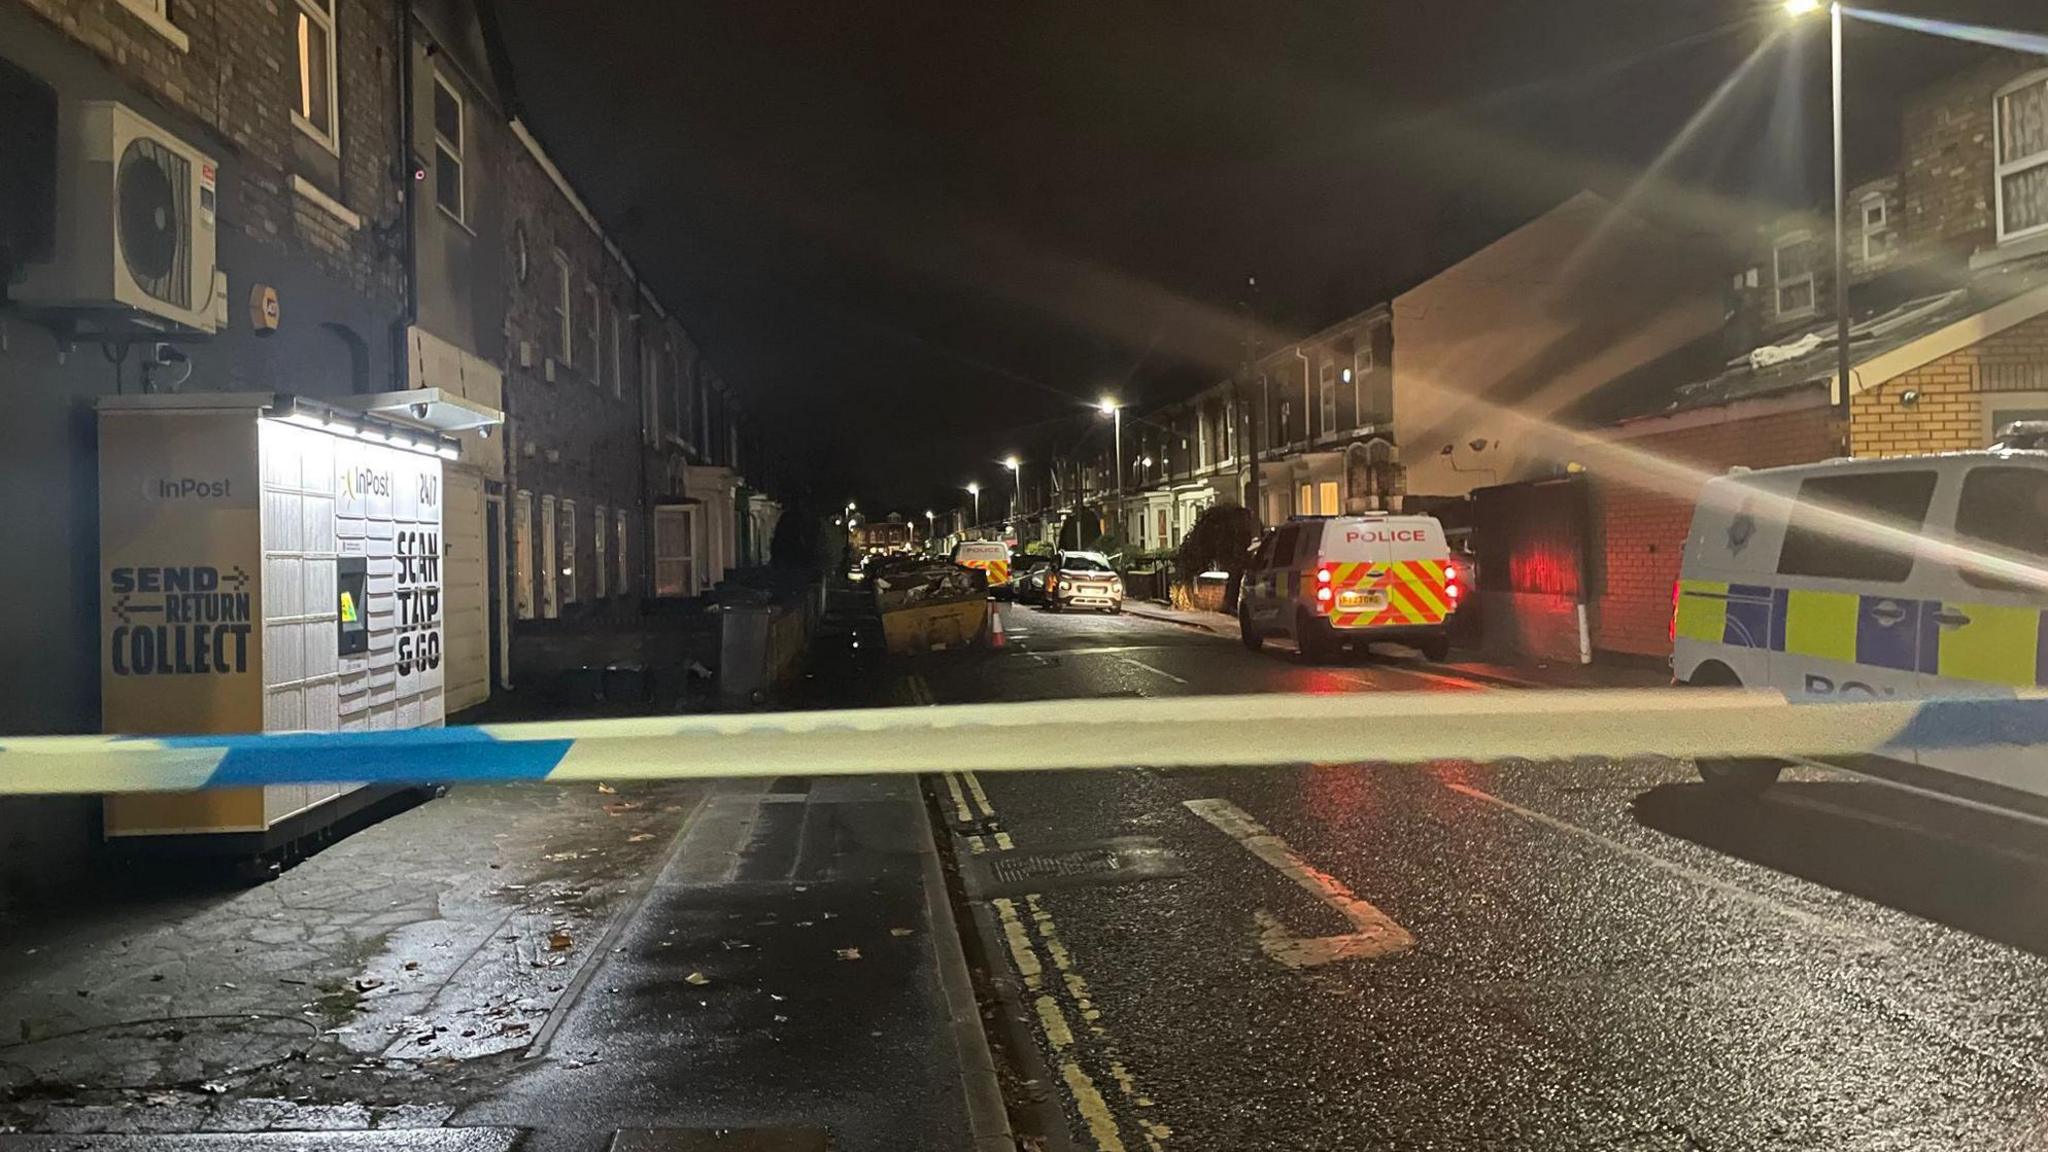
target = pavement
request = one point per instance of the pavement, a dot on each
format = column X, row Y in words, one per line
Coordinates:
column 766, row 964
column 1525, row 955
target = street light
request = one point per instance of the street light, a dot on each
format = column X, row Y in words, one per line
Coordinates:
column 1115, row 411
column 931, row 528
column 1016, row 484
column 1799, row 9
column 974, row 490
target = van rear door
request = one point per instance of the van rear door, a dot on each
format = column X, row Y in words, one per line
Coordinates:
column 1388, row 572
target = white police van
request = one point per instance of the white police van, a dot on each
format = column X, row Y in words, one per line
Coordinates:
column 1327, row 581
column 1859, row 579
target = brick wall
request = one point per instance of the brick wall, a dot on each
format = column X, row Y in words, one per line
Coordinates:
column 1948, row 412
column 577, row 437
column 1639, row 535
column 1946, row 158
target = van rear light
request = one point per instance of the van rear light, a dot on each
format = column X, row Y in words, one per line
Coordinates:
column 1451, row 590
column 1450, row 573
column 1672, row 636
column 1325, row 573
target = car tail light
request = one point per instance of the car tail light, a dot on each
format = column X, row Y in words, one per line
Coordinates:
column 1052, row 582
column 1672, row 635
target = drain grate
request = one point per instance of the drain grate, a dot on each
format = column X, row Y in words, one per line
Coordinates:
column 1123, row 860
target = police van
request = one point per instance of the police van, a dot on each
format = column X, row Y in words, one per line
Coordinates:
column 1327, row 581
column 1861, row 579
column 991, row 556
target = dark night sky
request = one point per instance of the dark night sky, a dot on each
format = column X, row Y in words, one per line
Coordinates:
column 917, row 237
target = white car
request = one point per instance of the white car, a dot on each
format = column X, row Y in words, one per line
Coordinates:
column 1083, row 580
column 1903, row 578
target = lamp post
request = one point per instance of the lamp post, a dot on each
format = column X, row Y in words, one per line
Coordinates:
column 931, row 528
column 1115, row 411
column 974, row 490
column 1799, row 9
column 1016, row 485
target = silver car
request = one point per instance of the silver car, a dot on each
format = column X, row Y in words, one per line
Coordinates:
column 1083, row 580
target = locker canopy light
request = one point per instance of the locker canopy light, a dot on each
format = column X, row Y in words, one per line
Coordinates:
column 433, row 408
column 364, row 426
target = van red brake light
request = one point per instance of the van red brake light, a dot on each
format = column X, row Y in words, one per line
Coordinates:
column 1324, row 574
column 1672, row 636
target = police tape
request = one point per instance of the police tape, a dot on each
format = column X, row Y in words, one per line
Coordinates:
column 1387, row 728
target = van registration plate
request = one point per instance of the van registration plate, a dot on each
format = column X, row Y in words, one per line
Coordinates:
column 1356, row 600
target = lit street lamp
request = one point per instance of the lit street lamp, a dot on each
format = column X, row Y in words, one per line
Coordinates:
column 1110, row 408
column 1016, row 485
column 974, row 490
column 931, row 528
column 1798, row 9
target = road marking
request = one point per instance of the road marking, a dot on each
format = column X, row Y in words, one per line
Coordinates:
column 980, row 797
column 1003, row 842
column 1704, row 879
column 976, row 845
column 1151, row 669
column 960, row 811
column 1021, row 952
column 1094, row 1109
column 1374, row 933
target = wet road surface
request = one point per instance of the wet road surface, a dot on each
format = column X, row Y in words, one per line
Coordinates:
column 1502, row 956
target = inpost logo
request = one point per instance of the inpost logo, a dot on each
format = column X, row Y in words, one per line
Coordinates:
column 357, row 483
column 186, row 488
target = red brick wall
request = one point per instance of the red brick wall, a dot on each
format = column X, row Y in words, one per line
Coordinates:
column 1948, row 411
column 1639, row 535
column 1946, row 158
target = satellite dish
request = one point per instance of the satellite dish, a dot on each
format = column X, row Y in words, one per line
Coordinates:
column 150, row 199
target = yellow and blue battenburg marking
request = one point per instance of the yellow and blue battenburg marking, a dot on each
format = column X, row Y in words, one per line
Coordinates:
column 1988, row 643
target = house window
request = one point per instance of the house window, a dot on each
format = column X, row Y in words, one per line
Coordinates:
column 675, row 551
column 1326, row 396
column 565, row 328
column 157, row 15
column 600, row 532
column 1305, row 501
column 1878, row 237
column 1794, row 257
column 596, row 335
column 2022, row 114
column 1326, row 498
column 1286, row 422
column 650, row 393
column 522, row 554
column 549, row 576
column 448, row 125
column 618, row 356
column 315, row 111
column 625, row 581
column 566, row 559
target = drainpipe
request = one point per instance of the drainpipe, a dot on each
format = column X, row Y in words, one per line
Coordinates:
column 408, row 194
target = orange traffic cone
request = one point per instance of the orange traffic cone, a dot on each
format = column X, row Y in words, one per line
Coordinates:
column 995, row 626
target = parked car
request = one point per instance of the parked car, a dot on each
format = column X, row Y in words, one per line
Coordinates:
column 1083, row 580
column 1874, row 579
column 1029, row 588
column 1327, row 581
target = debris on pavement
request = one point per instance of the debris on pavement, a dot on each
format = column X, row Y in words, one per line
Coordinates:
column 697, row 978
column 849, row 953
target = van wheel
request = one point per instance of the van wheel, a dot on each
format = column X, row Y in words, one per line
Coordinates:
column 1436, row 649
column 1251, row 636
column 1740, row 778
column 1309, row 639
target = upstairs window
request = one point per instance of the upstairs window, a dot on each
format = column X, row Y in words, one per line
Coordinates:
column 448, row 149
column 565, row 328
column 1794, row 257
column 1326, row 398
column 1878, row 237
column 314, row 113
column 2022, row 115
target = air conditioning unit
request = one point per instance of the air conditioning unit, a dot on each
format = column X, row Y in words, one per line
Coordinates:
column 135, row 228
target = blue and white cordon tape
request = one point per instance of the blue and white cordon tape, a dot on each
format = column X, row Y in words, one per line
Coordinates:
column 1160, row 733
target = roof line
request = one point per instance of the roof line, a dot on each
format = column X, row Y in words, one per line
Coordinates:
column 1882, row 370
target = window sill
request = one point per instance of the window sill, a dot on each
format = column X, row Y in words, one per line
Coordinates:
column 2019, row 249
column 158, row 23
column 458, row 221
column 325, row 203
column 317, row 136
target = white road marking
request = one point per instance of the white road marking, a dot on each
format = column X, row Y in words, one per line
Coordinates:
column 1727, row 888
column 1374, row 932
column 1151, row 669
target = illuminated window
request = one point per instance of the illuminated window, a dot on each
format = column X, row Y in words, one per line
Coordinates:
column 2022, row 180
column 448, row 136
column 625, row 580
column 314, row 112
column 1326, row 498
column 675, row 551
column 522, row 554
column 549, row 576
column 1794, row 257
column 1305, row 502
column 565, row 559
